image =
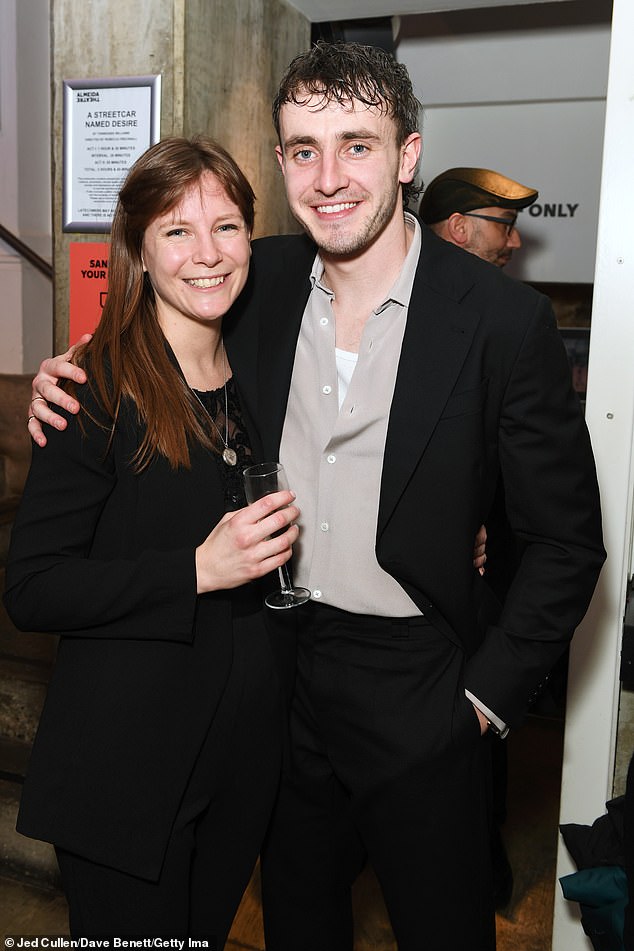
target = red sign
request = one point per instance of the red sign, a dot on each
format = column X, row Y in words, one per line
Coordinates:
column 88, row 286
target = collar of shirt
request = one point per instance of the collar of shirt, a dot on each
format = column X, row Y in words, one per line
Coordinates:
column 401, row 290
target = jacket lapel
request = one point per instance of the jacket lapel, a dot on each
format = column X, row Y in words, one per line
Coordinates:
column 281, row 318
column 437, row 339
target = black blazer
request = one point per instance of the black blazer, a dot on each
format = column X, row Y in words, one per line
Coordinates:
column 483, row 387
column 105, row 558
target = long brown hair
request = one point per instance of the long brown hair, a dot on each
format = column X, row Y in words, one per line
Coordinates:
column 127, row 356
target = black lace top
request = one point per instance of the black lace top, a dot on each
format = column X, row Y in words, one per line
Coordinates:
column 238, row 440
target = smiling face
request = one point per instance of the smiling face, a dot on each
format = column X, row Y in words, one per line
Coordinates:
column 197, row 255
column 343, row 170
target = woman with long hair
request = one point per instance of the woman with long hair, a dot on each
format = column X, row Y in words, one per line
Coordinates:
column 156, row 760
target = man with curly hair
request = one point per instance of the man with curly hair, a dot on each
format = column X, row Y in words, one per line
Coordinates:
column 407, row 390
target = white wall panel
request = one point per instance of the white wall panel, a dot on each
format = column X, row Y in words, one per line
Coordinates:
column 555, row 147
column 593, row 692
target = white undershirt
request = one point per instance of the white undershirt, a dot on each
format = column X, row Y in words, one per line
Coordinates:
column 346, row 362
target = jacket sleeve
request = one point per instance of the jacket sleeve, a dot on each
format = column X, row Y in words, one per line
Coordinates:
column 53, row 582
column 552, row 504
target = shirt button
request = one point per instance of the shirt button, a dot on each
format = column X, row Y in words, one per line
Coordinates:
column 331, row 458
column 324, row 526
column 324, row 321
column 326, row 389
column 317, row 593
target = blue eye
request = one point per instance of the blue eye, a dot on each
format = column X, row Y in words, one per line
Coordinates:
column 229, row 229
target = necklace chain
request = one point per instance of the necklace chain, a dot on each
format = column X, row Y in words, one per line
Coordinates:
column 228, row 454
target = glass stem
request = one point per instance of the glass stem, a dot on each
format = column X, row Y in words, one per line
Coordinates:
column 285, row 580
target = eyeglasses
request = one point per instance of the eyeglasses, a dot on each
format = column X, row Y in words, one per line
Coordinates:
column 508, row 222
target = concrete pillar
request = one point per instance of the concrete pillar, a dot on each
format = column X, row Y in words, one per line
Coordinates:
column 25, row 195
column 220, row 64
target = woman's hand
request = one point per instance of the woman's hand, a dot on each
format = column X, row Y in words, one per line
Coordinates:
column 45, row 391
column 244, row 545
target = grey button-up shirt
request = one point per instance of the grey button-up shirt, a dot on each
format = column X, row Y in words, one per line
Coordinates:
column 333, row 453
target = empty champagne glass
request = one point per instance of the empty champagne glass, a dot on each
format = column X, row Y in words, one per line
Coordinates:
column 260, row 480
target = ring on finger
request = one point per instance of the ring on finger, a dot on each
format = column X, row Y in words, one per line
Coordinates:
column 32, row 416
column 36, row 398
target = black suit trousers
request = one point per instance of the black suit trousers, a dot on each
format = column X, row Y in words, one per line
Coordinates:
column 386, row 759
column 218, row 829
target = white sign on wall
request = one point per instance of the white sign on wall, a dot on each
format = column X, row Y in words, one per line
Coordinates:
column 555, row 147
column 108, row 124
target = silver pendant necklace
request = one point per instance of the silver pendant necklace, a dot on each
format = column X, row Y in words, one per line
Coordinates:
column 229, row 455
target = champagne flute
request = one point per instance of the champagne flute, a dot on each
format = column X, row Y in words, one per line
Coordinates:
column 260, row 480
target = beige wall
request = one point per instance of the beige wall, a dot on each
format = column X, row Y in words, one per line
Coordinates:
column 220, row 63
column 26, row 299
column 237, row 53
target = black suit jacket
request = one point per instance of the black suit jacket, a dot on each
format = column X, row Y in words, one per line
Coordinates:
column 483, row 387
column 105, row 558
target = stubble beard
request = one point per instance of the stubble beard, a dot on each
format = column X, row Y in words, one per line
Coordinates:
column 478, row 246
column 336, row 240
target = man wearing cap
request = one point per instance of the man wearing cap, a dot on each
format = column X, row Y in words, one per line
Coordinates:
column 476, row 209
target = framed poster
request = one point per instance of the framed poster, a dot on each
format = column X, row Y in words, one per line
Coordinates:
column 108, row 124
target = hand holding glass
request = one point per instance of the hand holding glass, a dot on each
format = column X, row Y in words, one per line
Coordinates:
column 260, row 480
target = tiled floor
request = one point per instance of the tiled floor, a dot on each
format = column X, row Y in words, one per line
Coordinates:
column 530, row 832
